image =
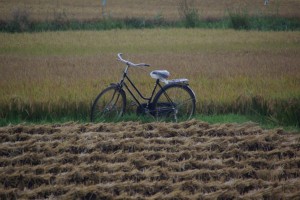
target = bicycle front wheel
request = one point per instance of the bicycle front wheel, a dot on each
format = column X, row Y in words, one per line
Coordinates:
column 109, row 105
column 174, row 102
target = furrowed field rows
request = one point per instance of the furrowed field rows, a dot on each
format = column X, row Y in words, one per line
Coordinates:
column 58, row 74
column 156, row 161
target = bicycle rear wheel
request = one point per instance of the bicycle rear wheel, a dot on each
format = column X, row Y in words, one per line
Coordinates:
column 174, row 102
column 109, row 105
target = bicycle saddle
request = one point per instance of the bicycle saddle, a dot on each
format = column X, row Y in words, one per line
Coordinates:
column 160, row 74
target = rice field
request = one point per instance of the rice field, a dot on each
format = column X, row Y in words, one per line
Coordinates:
column 60, row 73
column 41, row 10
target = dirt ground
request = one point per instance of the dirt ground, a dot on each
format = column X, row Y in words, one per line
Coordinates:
column 131, row 160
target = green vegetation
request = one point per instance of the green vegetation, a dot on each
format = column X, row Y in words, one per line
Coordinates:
column 190, row 16
column 262, row 121
column 235, row 21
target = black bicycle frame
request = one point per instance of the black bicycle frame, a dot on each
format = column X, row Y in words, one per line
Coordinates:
column 148, row 99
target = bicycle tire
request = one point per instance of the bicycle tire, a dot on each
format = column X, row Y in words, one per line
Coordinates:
column 109, row 105
column 174, row 102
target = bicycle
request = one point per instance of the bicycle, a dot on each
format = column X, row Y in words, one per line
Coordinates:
column 173, row 102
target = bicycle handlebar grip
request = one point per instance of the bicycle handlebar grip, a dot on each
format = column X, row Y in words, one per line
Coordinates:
column 120, row 56
column 130, row 63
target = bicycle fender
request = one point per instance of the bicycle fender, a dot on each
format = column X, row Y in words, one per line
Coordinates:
column 177, row 84
column 117, row 85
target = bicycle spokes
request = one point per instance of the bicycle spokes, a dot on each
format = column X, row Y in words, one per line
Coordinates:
column 175, row 110
column 175, row 103
column 109, row 105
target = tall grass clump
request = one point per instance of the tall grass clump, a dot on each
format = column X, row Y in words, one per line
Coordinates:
column 276, row 23
column 20, row 21
column 239, row 20
column 279, row 111
column 189, row 13
column 20, row 110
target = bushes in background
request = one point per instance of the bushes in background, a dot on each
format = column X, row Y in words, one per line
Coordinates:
column 22, row 23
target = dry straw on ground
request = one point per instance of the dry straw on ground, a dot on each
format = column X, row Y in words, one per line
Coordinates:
column 155, row 161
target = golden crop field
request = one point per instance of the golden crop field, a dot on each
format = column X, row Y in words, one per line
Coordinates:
column 91, row 9
column 230, row 71
column 55, row 76
column 131, row 160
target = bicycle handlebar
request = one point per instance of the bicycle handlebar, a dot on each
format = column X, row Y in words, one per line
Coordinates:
column 130, row 63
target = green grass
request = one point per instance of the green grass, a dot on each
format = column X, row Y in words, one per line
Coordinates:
column 263, row 121
column 237, row 21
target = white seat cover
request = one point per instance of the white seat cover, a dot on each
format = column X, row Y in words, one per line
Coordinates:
column 160, row 74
